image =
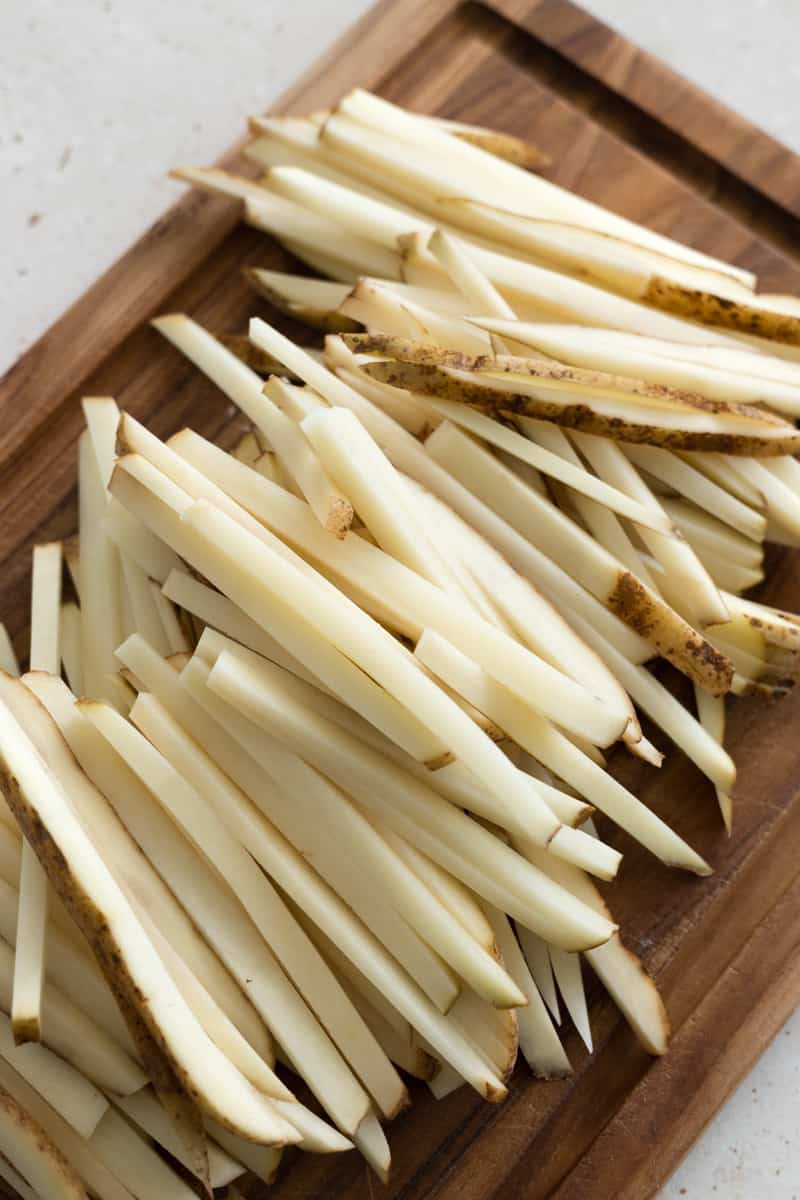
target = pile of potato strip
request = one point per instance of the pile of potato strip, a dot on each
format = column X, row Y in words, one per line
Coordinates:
column 299, row 783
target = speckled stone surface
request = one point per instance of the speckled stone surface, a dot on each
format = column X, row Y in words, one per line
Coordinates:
column 99, row 97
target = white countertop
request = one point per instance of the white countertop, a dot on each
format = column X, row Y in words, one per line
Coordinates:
column 98, row 98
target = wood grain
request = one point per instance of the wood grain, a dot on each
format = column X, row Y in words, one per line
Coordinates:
column 623, row 131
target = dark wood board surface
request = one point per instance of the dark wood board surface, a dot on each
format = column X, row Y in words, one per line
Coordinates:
column 625, row 131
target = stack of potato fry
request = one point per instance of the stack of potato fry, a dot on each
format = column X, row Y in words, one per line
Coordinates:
column 317, row 786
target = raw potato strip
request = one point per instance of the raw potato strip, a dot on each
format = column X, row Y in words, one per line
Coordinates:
column 263, row 1161
column 538, row 1040
column 297, row 635
column 592, row 567
column 684, row 582
column 679, row 474
column 409, row 457
column 355, row 978
column 70, row 639
column 313, row 301
column 776, row 628
column 216, row 610
column 567, row 971
column 177, row 641
column 411, row 1058
column 331, row 507
column 310, row 236
column 620, row 971
column 515, row 150
column 146, row 615
column 554, row 751
column 605, row 260
column 456, row 898
column 779, row 499
column 591, row 401
column 537, row 958
column 430, row 604
column 544, row 196
column 45, row 602
column 536, row 622
column 711, row 714
column 30, row 958
column 297, row 402
column 239, row 383
column 436, row 828
column 607, row 407
column 382, row 311
column 63, row 1087
column 459, row 786
column 129, row 803
column 248, row 449
column 666, row 711
column 146, row 1112
column 102, row 417
column 135, row 541
column 353, row 458
column 502, row 145
column 603, row 524
column 572, row 475
column 743, row 315
column 371, row 1141
column 30, row 1150
column 135, row 1162
column 480, row 294
column 492, row 1031
column 99, row 580
column 703, row 530
column 661, row 361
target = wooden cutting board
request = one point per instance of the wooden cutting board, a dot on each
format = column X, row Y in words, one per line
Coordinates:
column 624, row 130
